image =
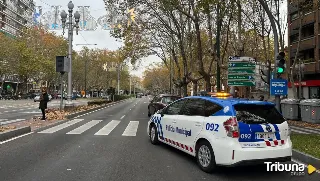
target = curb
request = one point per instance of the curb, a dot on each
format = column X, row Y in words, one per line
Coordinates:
column 305, row 158
column 13, row 133
column 71, row 116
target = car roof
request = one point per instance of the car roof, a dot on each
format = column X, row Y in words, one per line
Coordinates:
column 231, row 101
column 167, row 95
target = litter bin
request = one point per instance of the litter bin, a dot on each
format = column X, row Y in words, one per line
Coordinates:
column 290, row 109
column 308, row 108
column 315, row 111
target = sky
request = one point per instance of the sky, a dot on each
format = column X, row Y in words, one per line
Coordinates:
column 98, row 36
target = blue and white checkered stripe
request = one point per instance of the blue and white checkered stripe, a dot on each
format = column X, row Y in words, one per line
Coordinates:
column 157, row 121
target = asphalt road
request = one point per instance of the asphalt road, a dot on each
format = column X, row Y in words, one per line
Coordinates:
column 70, row 154
column 19, row 110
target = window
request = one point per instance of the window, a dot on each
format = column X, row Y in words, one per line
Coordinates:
column 258, row 114
column 175, row 108
column 211, row 108
column 168, row 100
column 194, row 107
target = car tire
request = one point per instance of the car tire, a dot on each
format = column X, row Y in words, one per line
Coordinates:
column 205, row 157
column 153, row 135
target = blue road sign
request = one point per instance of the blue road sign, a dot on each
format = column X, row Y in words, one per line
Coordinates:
column 278, row 87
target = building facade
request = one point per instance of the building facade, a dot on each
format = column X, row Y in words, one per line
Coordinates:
column 15, row 15
column 309, row 50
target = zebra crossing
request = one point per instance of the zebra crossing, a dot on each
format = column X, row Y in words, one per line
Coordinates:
column 6, row 121
column 130, row 130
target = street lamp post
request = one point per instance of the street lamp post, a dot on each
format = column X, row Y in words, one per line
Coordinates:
column 300, row 68
column 64, row 16
column 85, row 71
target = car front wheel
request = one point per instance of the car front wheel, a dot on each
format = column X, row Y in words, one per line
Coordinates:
column 153, row 135
column 205, row 157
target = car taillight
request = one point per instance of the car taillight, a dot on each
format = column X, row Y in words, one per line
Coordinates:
column 231, row 126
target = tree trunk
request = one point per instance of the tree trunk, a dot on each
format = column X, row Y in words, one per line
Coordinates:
column 294, row 88
column 195, row 87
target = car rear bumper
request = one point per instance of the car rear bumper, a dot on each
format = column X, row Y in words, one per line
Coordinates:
column 259, row 161
column 232, row 155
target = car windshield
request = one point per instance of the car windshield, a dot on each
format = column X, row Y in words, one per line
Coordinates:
column 168, row 100
column 258, row 114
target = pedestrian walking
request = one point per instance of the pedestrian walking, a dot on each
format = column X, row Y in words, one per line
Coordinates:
column 44, row 98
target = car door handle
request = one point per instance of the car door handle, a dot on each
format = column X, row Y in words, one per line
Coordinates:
column 198, row 124
column 174, row 121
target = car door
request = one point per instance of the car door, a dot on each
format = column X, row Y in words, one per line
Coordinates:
column 190, row 123
column 168, row 119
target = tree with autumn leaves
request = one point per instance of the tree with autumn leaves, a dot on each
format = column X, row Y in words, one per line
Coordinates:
column 32, row 57
column 198, row 36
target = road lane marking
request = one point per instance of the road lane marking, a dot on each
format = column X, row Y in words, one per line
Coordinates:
column 106, row 130
column 131, row 129
column 5, row 111
column 15, row 138
column 61, row 126
column 122, row 116
column 84, row 127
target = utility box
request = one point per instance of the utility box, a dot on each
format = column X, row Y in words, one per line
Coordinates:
column 62, row 64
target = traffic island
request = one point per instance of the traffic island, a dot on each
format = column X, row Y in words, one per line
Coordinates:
column 306, row 148
column 55, row 117
column 13, row 132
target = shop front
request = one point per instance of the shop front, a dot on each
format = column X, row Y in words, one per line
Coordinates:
column 310, row 89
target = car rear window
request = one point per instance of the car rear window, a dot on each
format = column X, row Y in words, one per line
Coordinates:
column 168, row 100
column 258, row 114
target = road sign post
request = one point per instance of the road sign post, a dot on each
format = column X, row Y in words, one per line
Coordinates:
column 241, row 71
column 278, row 87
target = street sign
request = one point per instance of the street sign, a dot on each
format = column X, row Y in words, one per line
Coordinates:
column 240, row 71
column 240, row 77
column 241, row 59
column 241, row 83
column 278, row 87
column 241, row 65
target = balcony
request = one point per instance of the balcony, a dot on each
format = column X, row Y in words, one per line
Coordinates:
column 308, row 19
column 305, row 44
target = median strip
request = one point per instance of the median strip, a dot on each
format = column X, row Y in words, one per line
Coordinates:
column 306, row 148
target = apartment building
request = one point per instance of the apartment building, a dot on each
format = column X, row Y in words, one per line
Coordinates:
column 309, row 46
column 15, row 15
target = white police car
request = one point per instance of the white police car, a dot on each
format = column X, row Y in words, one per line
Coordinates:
column 223, row 132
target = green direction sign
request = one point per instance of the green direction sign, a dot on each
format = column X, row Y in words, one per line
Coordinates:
column 241, row 65
column 240, row 71
column 241, row 83
column 240, row 77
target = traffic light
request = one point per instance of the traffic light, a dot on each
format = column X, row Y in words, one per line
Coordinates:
column 280, row 64
column 265, row 73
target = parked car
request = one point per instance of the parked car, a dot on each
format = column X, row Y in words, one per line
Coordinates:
column 37, row 98
column 160, row 101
